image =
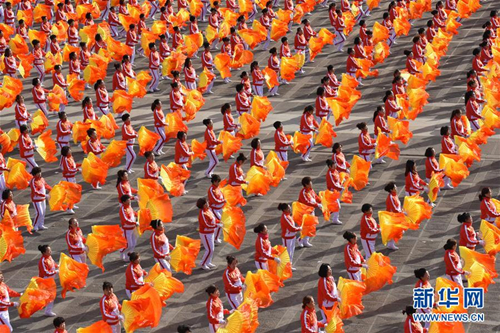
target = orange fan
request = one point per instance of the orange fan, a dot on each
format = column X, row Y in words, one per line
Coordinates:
column 114, row 153
column 401, row 26
column 56, row 97
column 37, row 295
column 278, row 29
column 72, row 274
column 173, row 177
column 261, row 106
column 351, row 292
column 184, row 254
column 122, row 101
column 260, row 285
column 283, row 270
column 233, row 195
column 147, row 140
column 288, row 67
column 329, row 201
column 446, row 327
column 22, row 219
column 230, row 144
column 445, row 283
column 454, row 168
column 206, row 77
column 199, row 148
column 11, row 241
column 64, row 196
column 173, row 62
column 101, row 326
column 46, row 147
column 416, row 210
column 491, row 237
column 333, row 319
column 18, row 45
column 309, row 223
column 301, row 142
column 468, row 150
column 271, row 78
column 259, row 181
column 163, row 282
column 104, row 240
column 221, row 62
column 485, row 260
column 325, row 134
column 359, row 172
column 275, row 168
column 148, row 189
column 380, row 33
column 175, row 125
column 250, row 127
column 143, row 309
column 17, row 177
column 233, row 221
column 379, row 272
column 399, row 130
column 118, row 49
column 94, row 170
column 160, row 208
column 39, row 123
column 435, row 184
column 385, row 147
column 299, row 211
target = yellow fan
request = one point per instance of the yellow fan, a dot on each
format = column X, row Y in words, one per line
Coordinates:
column 235, row 323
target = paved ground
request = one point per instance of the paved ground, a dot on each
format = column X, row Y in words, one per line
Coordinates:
column 421, row 248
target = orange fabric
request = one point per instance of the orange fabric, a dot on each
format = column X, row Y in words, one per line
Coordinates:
column 80, row 131
column 468, row 150
column 37, row 295
column 385, row 147
column 39, row 123
column 233, row 195
column 379, row 272
column 11, row 241
column 351, row 293
column 92, row 73
column 271, row 78
column 164, row 283
column 435, row 184
column 325, row 134
column 417, row 99
column 148, row 189
column 67, row 50
column 75, row 87
column 250, row 127
column 221, row 62
column 101, row 326
column 260, row 285
column 160, row 208
column 206, row 77
column 118, row 49
column 56, row 97
column 22, row 219
column 451, row 23
column 491, row 237
column 26, row 64
column 334, row 322
column 252, row 37
column 175, row 124
column 401, row 26
column 114, row 153
column 392, row 226
column 259, row 181
column 399, row 130
column 365, row 71
column 471, row 257
column 72, row 274
column 173, row 177
column 94, row 170
column 481, row 276
column 283, row 270
column 329, row 202
column 446, row 327
column 193, row 42
column 199, row 148
column 445, row 283
column 17, row 177
column 18, row 45
column 275, row 168
column 381, row 52
column 194, row 103
column 416, row 210
column 147, row 140
column 359, row 172
column 230, row 144
column 233, row 221
column 143, row 309
column 454, row 168
column 309, row 223
column 261, row 106
column 122, row 101
column 103, row 240
column 300, row 210
column 46, row 147
column 64, row 196
column 279, row 29
column 183, row 256
column 288, row 67
column 301, row 142
column 380, row 33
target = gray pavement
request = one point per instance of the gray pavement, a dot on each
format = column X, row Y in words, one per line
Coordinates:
column 419, row 248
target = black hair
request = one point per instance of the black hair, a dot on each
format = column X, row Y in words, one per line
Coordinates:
column 484, row 191
column 201, row 203
column 107, row 285
column 155, row 223
column 230, row 259
column 36, row 170
column 6, row 193
column 419, row 273
column 409, row 167
column 429, row 152
column 361, row 126
column 211, row 289
column 409, row 310
column 180, row 135
column 390, row 186
column 348, row 235
column 58, row 321
column 330, row 163
column 119, row 176
column 125, row 116
column 215, row 178
column 306, row 181
column 241, row 158
column 463, row 217
column 206, row 121
column 124, row 197
column 444, row 130
column 277, row 124
column 254, row 143
column 282, row 206
column 323, row 270
column 259, row 228
column 43, row 248
column 65, row 150
column 366, row 207
column 133, row 256
column 450, row 243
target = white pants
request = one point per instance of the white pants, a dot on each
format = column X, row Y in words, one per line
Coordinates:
column 208, row 243
column 155, row 74
column 41, row 72
column 43, row 107
column 70, row 179
column 161, row 142
column 273, row 90
column 311, row 145
column 261, row 265
column 354, row 276
column 50, row 306
column 19, row 123
column 40, row 207
column 259, row 90
column 132, row 58
column 218, row 215
column 5, row 319
column 474, row 125
column 131, row 238
column 114, row 32
column 81, row 258
column 131, row 156
column 116, row 328
column 368, row 247
column 283, row 155
column 128, row 292
column 191, row 85
column 339, row 39
column 164, row 264
column 455, row 278
column 213, row 161
column 3, row 185
column 235, row 300
column 154, row 8
column 104, row 109
column 290, row 247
